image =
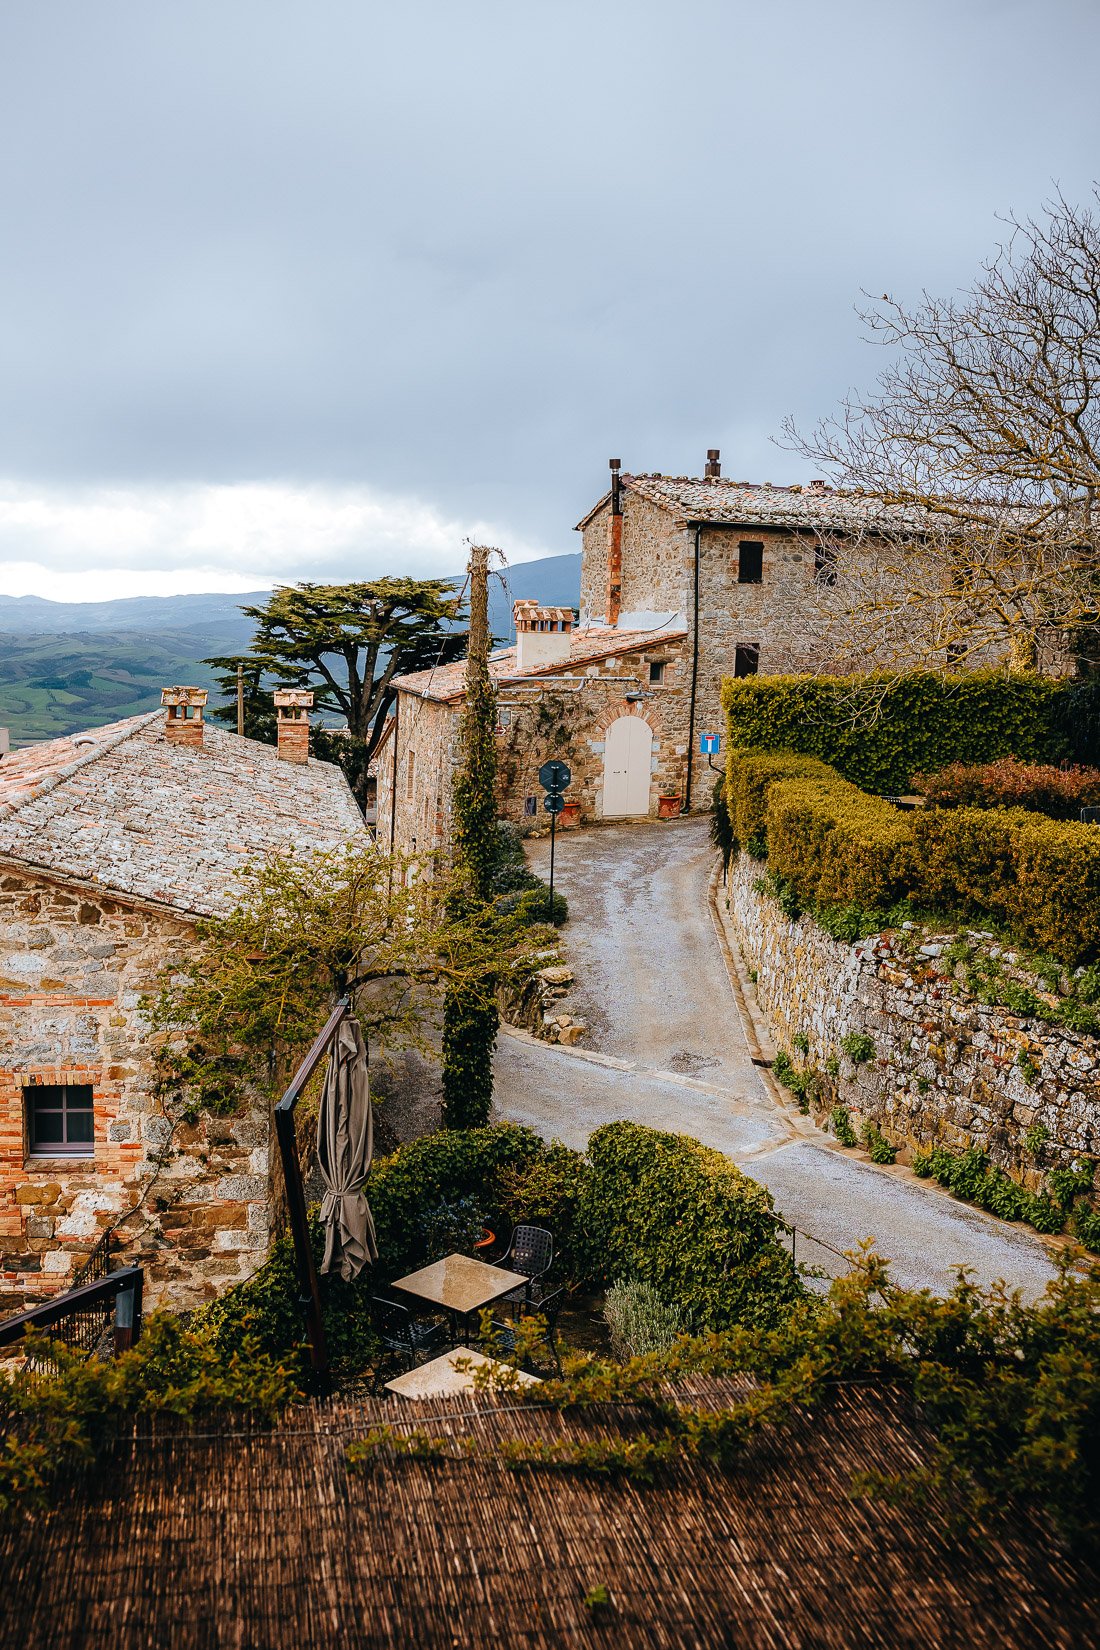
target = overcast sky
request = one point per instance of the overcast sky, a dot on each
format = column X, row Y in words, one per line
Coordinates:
column 314, row 288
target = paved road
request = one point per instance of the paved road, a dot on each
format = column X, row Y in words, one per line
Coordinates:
column 668, row 1050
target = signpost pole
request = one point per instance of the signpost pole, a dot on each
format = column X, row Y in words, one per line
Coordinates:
column 553, row 828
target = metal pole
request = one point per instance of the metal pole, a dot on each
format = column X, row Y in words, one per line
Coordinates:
column 240, row 700
column 553, row 826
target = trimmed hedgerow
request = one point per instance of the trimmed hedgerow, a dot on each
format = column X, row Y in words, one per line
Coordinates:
column 879, row 730
column 836, row 845
column 750, row 774
column 1039, row 876
column 1060, row 793
column 679, row 1215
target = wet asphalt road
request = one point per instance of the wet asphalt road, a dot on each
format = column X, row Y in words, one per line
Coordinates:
column 666, row 1048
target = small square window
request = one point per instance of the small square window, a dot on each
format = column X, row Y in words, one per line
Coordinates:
column 750, row 562
column 746, row 660
column 824, row 564
column 657, row 670
column 60, row 1120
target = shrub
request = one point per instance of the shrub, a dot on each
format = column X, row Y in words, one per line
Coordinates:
column 1060, row 793
column 877, row 1144
column 1039, row 876
column 448, row 1227
column 877, row 731
column 968, row 1175
column 638, row 1320
column 836, row 845
column 858, row 1047
column 749, row 773
column 680, row 1216
column 439, row 1169
column 547, row 1191
column 721, row 826
column 841, row 1119
column 533, row 905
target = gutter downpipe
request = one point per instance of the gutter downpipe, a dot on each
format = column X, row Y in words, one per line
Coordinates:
column 393, row 791
column 694, row 673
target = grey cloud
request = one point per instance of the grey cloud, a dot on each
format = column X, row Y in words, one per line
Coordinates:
column 464, row 253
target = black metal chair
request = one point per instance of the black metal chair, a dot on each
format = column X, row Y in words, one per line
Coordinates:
column 531, row 1252
column 404, row 1337
column 546, row 1305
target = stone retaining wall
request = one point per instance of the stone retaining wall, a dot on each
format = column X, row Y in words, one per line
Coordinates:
column 945, row 1069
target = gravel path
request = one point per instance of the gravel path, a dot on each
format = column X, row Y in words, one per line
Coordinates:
column 669, row 1051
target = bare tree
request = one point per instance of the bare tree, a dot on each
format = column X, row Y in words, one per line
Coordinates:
column 973, row 471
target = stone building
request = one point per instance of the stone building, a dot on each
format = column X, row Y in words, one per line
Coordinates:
column 113, row 844
column 684, row 581
column 608, row 700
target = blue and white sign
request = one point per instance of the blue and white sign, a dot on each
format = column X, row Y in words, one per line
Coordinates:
column 710, row 744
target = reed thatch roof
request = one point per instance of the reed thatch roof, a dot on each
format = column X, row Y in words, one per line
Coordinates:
column 265, row 1540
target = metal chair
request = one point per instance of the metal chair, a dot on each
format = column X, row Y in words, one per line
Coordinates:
column 545, row 1306
column 404, row 1337
column 531, row 1252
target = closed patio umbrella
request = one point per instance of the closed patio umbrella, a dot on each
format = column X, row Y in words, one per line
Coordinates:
column 345, row 1146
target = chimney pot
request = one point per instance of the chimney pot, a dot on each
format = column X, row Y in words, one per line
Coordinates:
column 542, row 635
column 292, row 708
column 714, row 469
column 183, row 725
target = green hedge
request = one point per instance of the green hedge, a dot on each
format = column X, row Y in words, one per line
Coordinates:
column 838, row 846
column 663, row 1208
column 1039, row 876
column 833, row 845
column 878, row 739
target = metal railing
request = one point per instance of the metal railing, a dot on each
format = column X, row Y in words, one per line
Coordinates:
column 82, row 1316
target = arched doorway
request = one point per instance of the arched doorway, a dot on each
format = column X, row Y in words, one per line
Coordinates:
column 627, row 764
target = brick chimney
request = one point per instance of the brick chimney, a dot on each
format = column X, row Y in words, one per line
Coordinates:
column 183, row 724
column 713, row 470
column 542, row 635
column 614, row 599
column 292, row 708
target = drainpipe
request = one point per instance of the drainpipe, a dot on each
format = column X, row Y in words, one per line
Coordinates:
column 694, row 672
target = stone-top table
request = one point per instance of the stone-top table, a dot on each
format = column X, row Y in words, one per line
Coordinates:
column 441, row 1379
column 460, row 1284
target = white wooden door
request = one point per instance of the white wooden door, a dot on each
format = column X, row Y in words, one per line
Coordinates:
column 627, row 760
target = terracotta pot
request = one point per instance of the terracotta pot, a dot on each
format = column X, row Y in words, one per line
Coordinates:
column 668, row 807
column 570, row 814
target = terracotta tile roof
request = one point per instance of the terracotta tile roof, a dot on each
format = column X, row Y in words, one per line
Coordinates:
column 124, row 807
column 587, row 646
column 748, row 503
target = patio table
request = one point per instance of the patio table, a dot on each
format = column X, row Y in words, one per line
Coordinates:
column 460, row 1284
column 441, row 1378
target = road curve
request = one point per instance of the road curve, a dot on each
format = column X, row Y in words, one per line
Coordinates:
column 668, row 1050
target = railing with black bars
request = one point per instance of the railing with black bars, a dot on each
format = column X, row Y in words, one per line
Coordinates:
column 83, row 1316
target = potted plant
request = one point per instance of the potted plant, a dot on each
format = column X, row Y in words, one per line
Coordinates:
column 570, row 813
column 668, row 806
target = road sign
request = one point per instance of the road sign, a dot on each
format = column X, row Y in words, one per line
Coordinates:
column 710, row 744
column 553, row 802
column 554, row 776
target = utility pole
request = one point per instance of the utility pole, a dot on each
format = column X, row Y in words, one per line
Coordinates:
column 477, row 656
column 240, row 700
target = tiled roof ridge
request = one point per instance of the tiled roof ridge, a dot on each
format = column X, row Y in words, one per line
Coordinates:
column 750, row 486
column 51, row 781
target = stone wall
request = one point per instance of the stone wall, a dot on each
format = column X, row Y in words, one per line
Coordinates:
column 73, row 967
column 945, row 1069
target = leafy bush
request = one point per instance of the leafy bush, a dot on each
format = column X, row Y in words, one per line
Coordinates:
column 442, row 1169
column 877, row 731
column 721, row 826
column 858, row 1047
column 1039, row 876
column 836, row 845
column 749, row 774
column 451, row 1227
column 877, row 1144
column 547, row 1191
column 969, row 1175
column 533, row 905
column 1060, row 793
column 50, row 1425
column 638, row 1320
column 665, row 1209
column 841, row 1119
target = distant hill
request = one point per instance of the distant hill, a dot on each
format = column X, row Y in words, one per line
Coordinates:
column 71, row 665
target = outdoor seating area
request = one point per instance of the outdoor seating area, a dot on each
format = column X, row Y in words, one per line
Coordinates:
column 440, row 1305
